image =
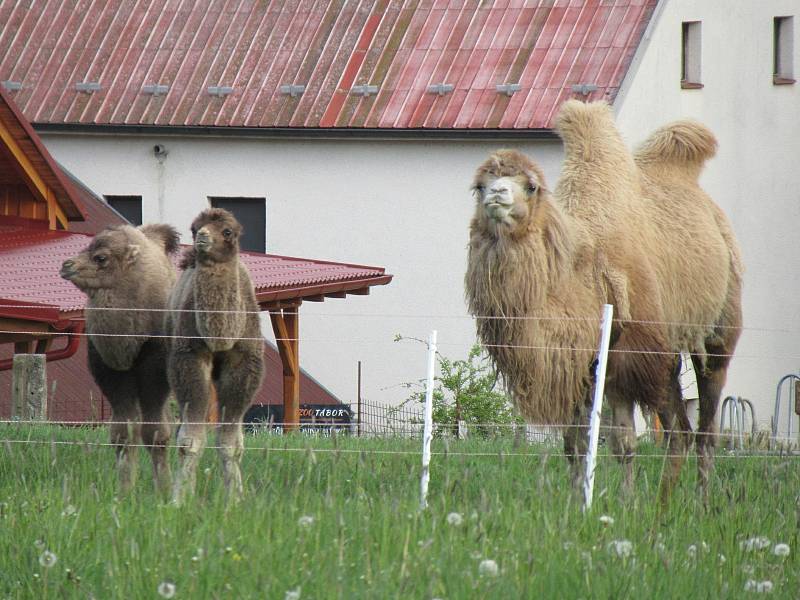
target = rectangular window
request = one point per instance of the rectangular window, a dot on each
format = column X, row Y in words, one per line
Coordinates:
column 783, row 51
column 252, row 214
column 690, row 55
column 129, row 207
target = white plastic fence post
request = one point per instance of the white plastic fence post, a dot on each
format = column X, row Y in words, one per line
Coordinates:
column 427, row 433
column 597, row 406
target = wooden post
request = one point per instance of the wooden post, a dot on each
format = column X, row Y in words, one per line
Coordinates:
column 286, row 325
column 29, row 399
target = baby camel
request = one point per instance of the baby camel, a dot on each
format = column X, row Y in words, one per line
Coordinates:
column 124, row 269
column 217, row 342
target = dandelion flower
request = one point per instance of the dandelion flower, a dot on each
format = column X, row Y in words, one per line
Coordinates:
column 760, row 587
column 781, row 550
column 754, row 543
column 620, row 548
column 166, row 589
column 488, row 568
column 48, row 559
column 455, row 519
column 293, row 594
column 606, row 520
column 305, row 521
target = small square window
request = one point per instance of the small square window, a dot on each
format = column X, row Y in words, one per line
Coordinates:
column 129, row 207
column 783, row 51
column 252, row 214
column 690, row 55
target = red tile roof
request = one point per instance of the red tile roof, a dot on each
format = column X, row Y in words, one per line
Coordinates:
column 254, row 48
column 31, row 259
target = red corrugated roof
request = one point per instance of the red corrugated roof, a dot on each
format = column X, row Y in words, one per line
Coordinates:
column 254, row 48
column 30, row 260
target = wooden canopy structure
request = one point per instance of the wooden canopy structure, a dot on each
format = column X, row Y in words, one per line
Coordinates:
column 39, row 202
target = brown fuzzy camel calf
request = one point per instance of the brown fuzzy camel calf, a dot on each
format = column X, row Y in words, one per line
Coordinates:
column 128, row 268
column 218, row 342
column 635, row 231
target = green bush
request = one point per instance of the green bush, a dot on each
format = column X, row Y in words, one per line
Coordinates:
column 467, row 390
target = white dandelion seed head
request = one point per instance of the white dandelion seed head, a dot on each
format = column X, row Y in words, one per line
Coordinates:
column 69, row 510
column 781, row 550
column 455, row 519
column 305, row 521
column 760, row 587
column 47, row 559
column 39, row 544
column 748, row 569
column 705, row 547
column 293, row 594
column 166, row 589
column 620, row 548
column 606, row 520
column 692, row 551
column 722, row 559
column 754, row 543
column 488, row 568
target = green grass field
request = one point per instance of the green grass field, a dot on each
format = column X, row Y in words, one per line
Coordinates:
column 340, row 518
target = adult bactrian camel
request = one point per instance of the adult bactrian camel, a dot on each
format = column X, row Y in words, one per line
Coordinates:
column 123, row 270
column 632, row 230
column 217, row 341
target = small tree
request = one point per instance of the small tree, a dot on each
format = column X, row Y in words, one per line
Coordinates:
column 467, row 390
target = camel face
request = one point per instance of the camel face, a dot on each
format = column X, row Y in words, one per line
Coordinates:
column 216, row 234
column 504, row 200
column 100, row 265
column 507, row 188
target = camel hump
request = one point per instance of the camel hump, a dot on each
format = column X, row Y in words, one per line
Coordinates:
column 161, row 233
column 686, row 142
column 578, row 120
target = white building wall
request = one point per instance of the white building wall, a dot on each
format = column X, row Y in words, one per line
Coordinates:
column 402, row 205
column 753, row 177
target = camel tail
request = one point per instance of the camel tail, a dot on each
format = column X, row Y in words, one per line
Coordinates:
column 163, row 234
column 688, row 143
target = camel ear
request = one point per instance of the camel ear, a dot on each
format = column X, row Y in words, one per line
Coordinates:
column 131, row 254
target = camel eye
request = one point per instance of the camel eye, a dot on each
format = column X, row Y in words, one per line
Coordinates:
column 194, row 231
column 227, row 233
column 532, row 187
column 479, row 188
column 100, row 260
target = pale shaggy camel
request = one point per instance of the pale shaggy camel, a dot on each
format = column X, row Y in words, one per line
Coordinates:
column 128, row 270
column 217, row 342
column 637, row 232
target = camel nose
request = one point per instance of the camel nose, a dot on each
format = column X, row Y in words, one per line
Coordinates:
column 499, row 189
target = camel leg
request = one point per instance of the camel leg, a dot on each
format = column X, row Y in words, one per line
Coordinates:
column 576, row 442
column 710, row 383
column 190, row 379
column 121, row 390
column 623, row 437
column 677, row 427
column 156, row 428
column 239, row 377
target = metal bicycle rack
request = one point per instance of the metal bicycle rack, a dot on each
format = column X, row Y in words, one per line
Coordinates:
column 736, row 408
column 794, row 400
